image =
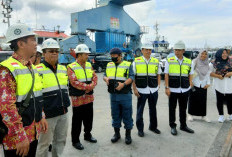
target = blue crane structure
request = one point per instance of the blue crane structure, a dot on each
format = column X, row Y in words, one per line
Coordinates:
column 111, row 25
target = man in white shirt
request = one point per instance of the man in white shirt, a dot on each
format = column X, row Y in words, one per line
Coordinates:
column 178, row 81
column 147, row 81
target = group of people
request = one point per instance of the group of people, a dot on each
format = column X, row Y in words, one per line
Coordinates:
column 35, row 98
column 220, row 69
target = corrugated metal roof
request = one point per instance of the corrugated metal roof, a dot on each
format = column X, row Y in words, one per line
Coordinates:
column 51, row 34
column 127, row 2
column 121, row 2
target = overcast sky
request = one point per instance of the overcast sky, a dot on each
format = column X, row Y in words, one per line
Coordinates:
column 193, row 21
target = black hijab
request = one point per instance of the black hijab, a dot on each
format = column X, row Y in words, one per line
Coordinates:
column 221, row 65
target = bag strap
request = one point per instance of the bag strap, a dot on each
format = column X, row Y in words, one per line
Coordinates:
column 26, row 102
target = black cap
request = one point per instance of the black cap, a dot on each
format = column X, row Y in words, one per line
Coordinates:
column 115, row 51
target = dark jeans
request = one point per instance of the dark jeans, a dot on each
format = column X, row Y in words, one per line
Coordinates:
column 152, row 100
column 31, row 153
column 81, row 114
column 182, row 100
column 221, row 98
column 121, row 110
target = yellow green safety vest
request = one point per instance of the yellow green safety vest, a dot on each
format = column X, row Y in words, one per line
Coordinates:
column 23, row 78
column 179, row 74
column 146, row 74
column 55, row 90
column 116, row 74
column 82, row 75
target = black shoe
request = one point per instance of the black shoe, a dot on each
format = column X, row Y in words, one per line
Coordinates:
column 187, row 129
column 78, row 146
column 128, row 139
column 90, row 139
column 173, row 131
column 155, row 130
column 116, row 136
column 141, row 133
column 50, row 148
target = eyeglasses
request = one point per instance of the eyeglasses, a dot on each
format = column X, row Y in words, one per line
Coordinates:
column 51, row 51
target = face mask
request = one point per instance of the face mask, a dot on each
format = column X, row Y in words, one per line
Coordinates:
column 114, row 59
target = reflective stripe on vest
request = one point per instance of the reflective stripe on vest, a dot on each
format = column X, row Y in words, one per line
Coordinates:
column 49, row 79
column 23, row 78
column 122, row 70
column 20, row 98
column 83, row 75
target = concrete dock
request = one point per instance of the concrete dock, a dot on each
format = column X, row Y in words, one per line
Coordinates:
column 200, row 144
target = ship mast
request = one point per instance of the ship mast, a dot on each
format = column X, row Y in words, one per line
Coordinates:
column 157, row 35
column 6, row 5
column 156, row 31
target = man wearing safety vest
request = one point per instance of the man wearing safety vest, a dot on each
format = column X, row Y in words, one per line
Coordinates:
column 178, row 81
column 119, row 77
column 82, row 80
column 147, row 81
column 21, row 95
column 56, row 100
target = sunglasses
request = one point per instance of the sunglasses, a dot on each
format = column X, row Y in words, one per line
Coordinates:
column 51, row 51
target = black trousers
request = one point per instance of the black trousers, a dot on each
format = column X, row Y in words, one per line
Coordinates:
column 81, row 114
column 31, row 153
column 152, row 100
column 182, row 100
column 221, row 98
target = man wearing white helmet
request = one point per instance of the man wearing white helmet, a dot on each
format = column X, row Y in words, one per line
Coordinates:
column 56, row 100
column 20, row 95
column 178, row 81
column 36, row 58
column 82, row 80
column 147, row 81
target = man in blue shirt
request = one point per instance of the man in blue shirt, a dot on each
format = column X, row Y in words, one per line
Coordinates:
column 119, row 77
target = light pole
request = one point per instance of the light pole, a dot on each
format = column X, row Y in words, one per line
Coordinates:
column 6, row 5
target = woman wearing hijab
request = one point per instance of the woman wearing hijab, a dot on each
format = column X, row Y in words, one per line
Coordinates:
column 221, row 72
column 201, row 81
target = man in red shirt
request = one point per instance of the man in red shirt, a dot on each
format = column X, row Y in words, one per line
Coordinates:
column 16, row 77
column 82, row 82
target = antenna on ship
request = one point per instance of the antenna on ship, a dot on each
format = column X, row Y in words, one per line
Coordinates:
column 36, row 15
column 6, row 5
column 156, row 31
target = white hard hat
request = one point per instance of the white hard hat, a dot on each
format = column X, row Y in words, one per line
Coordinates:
column 82, row 48
column 17, row 31
column 50, row 43
column 179, row 45
column 146, row 46
column 228, row 47
column 38, row 49
column 5, row 46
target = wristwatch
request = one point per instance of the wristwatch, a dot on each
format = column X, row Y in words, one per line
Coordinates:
column 124, row 84
column 166, row 87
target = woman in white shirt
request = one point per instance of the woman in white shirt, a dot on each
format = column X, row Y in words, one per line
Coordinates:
column 201, row 81
column 221, row 72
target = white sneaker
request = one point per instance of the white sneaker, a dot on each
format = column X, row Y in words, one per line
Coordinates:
column 230, row 117
column 221, row 119
column 190, row 118
column 206, row 119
